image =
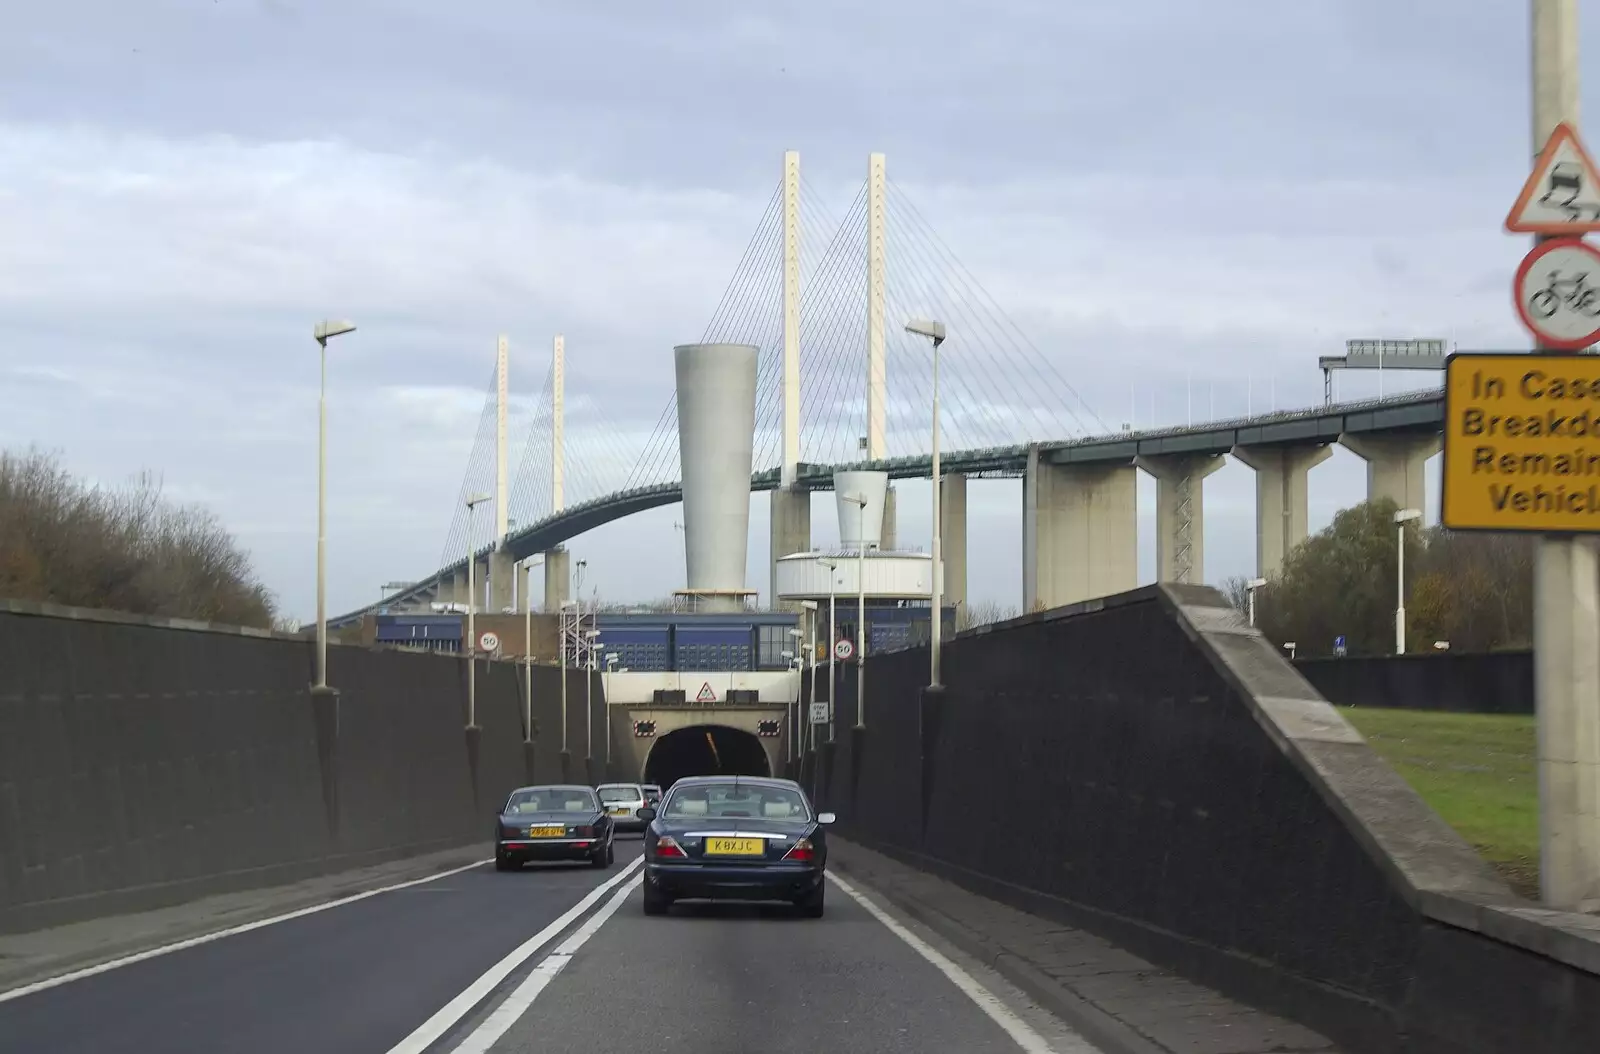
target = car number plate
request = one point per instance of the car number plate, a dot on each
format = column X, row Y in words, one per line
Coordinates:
column 546, row 832
column 619, row 812
column 736, row 846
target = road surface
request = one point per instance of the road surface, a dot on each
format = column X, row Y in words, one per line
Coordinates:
column 550, row 959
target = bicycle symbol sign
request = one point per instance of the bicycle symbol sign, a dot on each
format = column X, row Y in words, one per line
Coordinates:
column 1557, row 292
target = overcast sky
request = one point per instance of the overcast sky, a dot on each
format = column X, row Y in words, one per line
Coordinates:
column 1168, row 198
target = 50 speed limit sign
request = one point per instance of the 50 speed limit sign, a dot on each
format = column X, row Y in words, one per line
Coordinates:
column 844, row 649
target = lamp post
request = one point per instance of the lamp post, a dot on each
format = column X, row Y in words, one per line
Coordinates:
column 472, row 607
column 527, row 655
column 861, row 614
column 808, row 734
column 561, row 642
column 794, row 715
column 324, row 331
column 833, row 635
column 934, row 331
column 588, row 706
column 610, row 667
column 1250, row 588
column 1401, row 518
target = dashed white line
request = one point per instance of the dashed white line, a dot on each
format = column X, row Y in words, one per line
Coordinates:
column 1019, row 1030
column 206, row 938
column 447, row 1016
column 517, row 1003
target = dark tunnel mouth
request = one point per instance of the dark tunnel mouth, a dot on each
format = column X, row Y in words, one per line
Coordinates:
column 689, row 752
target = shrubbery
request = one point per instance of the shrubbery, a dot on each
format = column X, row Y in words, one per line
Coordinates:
column 127, row 549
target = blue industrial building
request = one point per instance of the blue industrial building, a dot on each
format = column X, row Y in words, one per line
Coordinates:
column 651, row 641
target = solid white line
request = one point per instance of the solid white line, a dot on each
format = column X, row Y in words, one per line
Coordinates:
column 1019, row 1030
column 178, row 946
column 487, row 1034
column 459, row 1007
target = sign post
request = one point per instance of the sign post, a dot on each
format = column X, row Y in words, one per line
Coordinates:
column 1561, row 198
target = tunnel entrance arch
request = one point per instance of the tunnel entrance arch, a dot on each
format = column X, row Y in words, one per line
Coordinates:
column 705, row 750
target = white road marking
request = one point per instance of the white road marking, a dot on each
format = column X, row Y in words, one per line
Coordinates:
column 206, row 938
column 447, row 1016
column 517, row 1003
column 1019, row 1030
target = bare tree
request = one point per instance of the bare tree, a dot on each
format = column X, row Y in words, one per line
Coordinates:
column 127, row 549
column 984, row 612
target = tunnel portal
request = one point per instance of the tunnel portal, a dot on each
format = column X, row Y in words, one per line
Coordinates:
column 705, row 750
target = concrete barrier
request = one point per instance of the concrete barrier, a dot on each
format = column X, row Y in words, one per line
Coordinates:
column 1149, row 767
column 1459, row 682
column 144, row 762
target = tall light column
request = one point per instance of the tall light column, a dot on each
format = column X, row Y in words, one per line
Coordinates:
column 322, row 333
column 934, row 331
column 861, row 620
column 791, row 321
column 472, row 608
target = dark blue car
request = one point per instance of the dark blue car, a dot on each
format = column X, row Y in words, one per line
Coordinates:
column 556, row 822
column 734, row 838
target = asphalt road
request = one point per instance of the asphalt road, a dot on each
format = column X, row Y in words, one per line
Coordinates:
column 451, row 961
column 357, row 978
column 731, row 979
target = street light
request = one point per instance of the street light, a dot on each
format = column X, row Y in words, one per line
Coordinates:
column 810, row 607
column 611, row 665
column 1401, row 518
column 561, row 640
column 1250, row 588
column 861, row 613
column 794, row 715
column 833, row 635
column 325, row 331
column 934, row 331
column 588, row 706
column 472, row 608
column 527, row 651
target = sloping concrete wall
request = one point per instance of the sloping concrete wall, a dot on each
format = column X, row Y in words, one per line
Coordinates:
column 1149, row 767
column 146, row 762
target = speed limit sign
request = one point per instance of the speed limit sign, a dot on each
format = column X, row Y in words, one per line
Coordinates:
column 489, row 642
column 844, row 649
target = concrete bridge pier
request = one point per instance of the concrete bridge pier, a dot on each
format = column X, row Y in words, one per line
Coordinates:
column 557, row 579
column 501, row 572
column 953, row 540
column 480, row 573
column 1282, row 499
column 458, row 591
column 1080, row 532
column 1180, row 514
column 791, row 532
column 1395, row 465
column 889, row 533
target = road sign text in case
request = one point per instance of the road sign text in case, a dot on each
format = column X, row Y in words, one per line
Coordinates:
column 1522, row 443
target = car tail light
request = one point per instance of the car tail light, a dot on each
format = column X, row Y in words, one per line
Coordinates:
column 510, row 832
column 801, row 850
column 668, row 846
column 583, row 832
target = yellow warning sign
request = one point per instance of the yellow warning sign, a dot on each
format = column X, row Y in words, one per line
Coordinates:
column 1521, row 443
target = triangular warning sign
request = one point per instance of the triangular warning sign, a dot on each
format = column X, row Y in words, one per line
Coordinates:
column 706, row 694
column 1562, row 195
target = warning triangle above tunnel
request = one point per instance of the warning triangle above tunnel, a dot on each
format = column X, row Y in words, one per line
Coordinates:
column 706, row 694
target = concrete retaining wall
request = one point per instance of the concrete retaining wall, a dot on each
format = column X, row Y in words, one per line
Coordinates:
column 1493, row 683
column 1148, row 767
column 146, row 762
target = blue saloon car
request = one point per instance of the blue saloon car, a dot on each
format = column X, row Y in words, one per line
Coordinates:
column 734, row 838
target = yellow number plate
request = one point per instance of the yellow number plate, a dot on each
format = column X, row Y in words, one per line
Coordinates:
column 546, row 832
column 736, row 846
column 619, row 812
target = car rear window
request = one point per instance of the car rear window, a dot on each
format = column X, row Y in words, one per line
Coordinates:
column 619, row 794
column 552, row 799
column 737, row 802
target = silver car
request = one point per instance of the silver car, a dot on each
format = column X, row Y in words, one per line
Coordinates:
column 622, row 802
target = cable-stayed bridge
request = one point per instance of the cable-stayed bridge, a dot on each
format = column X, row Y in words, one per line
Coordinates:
column 843, row 284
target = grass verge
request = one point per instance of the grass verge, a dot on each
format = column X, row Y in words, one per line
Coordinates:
column 1477, row 772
